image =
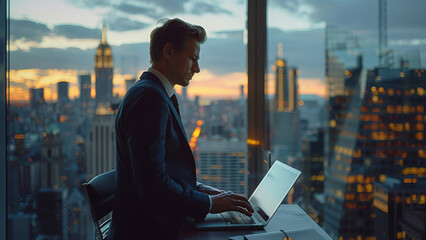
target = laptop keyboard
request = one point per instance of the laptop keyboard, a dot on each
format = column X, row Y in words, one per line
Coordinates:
column 236, row 218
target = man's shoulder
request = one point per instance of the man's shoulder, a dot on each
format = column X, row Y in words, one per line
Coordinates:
column 148, row 83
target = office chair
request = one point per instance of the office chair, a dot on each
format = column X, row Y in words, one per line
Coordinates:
column 100, row 193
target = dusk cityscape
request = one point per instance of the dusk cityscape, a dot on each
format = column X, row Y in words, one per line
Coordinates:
column 345, row 104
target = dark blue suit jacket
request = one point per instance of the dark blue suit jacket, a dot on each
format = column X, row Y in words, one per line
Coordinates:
column 155, row 167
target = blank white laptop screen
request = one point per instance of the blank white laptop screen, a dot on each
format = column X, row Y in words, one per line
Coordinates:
column 273, row 188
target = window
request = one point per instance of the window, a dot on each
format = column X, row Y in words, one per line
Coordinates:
column 343, row 84
column 67, row 76
column 342, row 99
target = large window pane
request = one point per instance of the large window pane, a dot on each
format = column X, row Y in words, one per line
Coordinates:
column 346, row 93
column 71, row 63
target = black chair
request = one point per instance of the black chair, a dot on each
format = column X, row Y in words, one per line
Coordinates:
column 100, row 193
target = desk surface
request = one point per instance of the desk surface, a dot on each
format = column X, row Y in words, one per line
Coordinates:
column 288, row 218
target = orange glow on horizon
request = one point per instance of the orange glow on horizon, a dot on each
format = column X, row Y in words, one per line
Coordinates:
column 205, row 84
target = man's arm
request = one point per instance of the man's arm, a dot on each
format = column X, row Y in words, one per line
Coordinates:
column 201, row 187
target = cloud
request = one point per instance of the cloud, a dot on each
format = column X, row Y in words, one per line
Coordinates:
column 170, row 6
column 362, row 16
column 303, row 49
column 204, row 7
column 75, row 31
column 28, row 30
column 139, row 10
column 236, row 34
column 53, row 58
column 121, row 24
column 90, row 3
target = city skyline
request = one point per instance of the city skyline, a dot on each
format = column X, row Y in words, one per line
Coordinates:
column 333, row 110
column 65, row 45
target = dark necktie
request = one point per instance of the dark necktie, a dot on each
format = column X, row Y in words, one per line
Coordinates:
column 175, row 102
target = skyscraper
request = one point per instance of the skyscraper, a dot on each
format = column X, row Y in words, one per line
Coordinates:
column 223, row 164
column 376, row 130
column 397, row 201
column 184, row 93
column 63, row 90
column 313, row 169
column 101, row 154
column 52, row 214
column 52, row 159
column 285, row 137
column 36, row 97
column 382, row 135
column 85, row 88
column 104, row 72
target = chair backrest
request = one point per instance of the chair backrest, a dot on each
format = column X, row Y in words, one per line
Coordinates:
column 100, row 193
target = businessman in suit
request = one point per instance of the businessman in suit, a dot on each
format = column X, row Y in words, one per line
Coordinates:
column 156, row 182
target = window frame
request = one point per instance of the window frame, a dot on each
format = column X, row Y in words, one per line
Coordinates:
column 4, row 36
column 257, row 134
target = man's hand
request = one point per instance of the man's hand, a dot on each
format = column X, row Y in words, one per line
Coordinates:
column 208, row 189
column 229, row 201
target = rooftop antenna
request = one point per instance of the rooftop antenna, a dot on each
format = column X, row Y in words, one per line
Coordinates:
column 103, row 39
column 383, row 34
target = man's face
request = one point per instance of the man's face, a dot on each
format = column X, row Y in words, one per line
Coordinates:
column 184, row 64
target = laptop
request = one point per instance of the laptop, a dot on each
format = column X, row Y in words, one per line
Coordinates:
column 265, row 200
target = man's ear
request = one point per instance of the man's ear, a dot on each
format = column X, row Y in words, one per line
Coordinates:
column 168, row 50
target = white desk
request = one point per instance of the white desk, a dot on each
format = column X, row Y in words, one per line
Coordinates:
column 288, row 217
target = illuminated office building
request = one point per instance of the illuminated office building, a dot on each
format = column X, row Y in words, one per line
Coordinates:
column 400, row 208
column 382, row 135
column 223, row 164
column 313, row 171
column 104, row 72
column 375, row 130
column 101, row 154
column 285, row 137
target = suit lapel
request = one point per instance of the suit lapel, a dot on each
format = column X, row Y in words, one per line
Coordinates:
column 172, row 106
column 156, row 81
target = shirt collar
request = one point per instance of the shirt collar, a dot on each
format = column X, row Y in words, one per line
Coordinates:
column 166, row 83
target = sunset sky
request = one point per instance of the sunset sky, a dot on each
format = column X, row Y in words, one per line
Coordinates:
column 55, row 41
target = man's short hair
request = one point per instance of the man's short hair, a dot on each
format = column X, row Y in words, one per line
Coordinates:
column 174, row 31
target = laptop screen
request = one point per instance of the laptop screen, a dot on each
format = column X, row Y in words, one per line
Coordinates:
column 273, row 188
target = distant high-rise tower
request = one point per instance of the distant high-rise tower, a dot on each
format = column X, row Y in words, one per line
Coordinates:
column 129, row 83
column 63, row 90
column 184, row 93
column 384, row 58
column 85, row 88
column 36, row 97
column 104, row 72
column 52, row 159
column 286, row 114
column 101, row 157
column 242, row 93
column 52, row 213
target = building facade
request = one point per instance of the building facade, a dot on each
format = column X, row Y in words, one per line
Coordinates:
column 101, row 152
column 223, row 164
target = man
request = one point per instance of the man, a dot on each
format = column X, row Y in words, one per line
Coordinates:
column 156, row 183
